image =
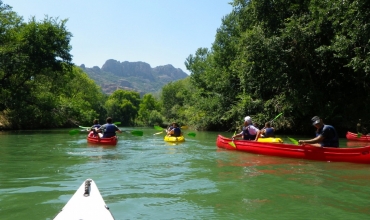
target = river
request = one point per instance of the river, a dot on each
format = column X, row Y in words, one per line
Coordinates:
column 147, row 178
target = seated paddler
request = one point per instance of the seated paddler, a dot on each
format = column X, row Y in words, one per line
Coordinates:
column 175, row 131
column 249, row 131
column 326, row 135
column 95, row 127
column 109, row 129
column 266, row 132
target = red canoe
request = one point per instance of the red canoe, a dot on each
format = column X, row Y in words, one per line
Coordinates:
column 353, row 155
column 354, row 137
column 91, row 138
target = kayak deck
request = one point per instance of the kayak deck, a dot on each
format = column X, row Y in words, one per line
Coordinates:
column 86, row 203
column 174, row 139
column 95, row 139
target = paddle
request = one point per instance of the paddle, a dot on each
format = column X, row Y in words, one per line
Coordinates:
column 88, row 128
column 294, row 141
column 260, row 132
column 85, row 128
column 232, row 142
column 73, row 132
column 158, row 128
column 136, row 133
column 276, row 117
column 192, row 134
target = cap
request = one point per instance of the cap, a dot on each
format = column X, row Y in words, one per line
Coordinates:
column 315, row 120
column 248, row 119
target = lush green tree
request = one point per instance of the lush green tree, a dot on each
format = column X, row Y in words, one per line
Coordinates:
column 175, row 100
column 82, row 100
column 149, row 111
column 217, row 86
column 35, row 64
column 123, row 106
column 294, row 57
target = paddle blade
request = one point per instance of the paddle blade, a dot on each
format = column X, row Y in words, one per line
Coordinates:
column 73, row 132
column 117, row 123
column 158, row 128
column 359, row 135
column 294, row 141
column 192, row 134
column 277, row 116
column 137, row 133
column 232, row 144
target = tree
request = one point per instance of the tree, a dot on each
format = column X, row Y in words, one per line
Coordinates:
column 123, row 106
column 149, row 111
column 35, row 64
column 285, row 56
column 82, row 100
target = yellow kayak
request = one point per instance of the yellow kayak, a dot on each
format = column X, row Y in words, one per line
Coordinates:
column 270, row 140
column 174, row 139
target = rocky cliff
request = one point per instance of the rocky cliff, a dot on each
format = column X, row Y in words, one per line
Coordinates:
column 137, row 76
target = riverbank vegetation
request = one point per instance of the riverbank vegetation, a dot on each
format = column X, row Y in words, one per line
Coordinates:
column 300, row 58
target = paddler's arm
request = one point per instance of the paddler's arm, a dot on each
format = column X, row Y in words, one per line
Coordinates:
column 259, row 132
column 317, row 139
column 170, row 132
column 238, row 135
column 118, row 130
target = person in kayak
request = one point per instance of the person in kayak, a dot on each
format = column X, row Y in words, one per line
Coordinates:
column 170, row 127
column 109, row 129
column 361, row 130
column 249, row 131
column 95, row 127
column 326, row 135
column 175, row 131
column 267, row 131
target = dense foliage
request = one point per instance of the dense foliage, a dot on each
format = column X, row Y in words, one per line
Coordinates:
column 123, row 106
column 302, row 58
column 39, row 85
column 35, row 64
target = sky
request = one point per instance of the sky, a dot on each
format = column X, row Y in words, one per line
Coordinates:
column 158, row 32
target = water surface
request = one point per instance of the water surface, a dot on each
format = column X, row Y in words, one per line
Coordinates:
column 147, row 178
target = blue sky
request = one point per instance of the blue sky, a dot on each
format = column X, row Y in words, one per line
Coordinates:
column 158, row 32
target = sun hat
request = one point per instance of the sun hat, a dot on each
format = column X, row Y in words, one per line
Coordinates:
column 315, row 120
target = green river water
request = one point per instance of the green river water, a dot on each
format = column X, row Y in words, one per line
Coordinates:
column 147, row 178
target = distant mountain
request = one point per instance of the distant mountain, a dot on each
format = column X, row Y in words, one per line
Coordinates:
column 136, row 76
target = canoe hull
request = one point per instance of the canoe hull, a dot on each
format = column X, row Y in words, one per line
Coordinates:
column 354, row 137
column 353, row 155
column 174, row 139
column 84, row 205
column 91, row 138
